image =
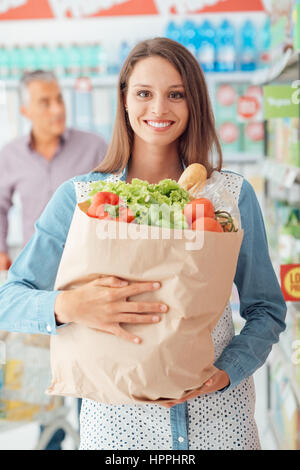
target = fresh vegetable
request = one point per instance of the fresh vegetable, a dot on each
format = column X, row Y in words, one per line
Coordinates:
column 207, row 224
column 101, row 199
column 165, row 205
column 192, row 210
column 125, row 215
column 152, row 204
column 101, row 213
column 228, row 223
column 117, row 213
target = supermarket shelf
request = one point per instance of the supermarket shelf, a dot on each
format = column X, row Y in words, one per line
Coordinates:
column 275, row 70
column 274, row 431
column 284, row 175
column 256, row 77
column 231, row 77
column 242, row 157
column 288, row 370
column 103, row 81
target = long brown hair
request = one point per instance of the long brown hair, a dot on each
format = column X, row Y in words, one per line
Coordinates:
column 199, row 139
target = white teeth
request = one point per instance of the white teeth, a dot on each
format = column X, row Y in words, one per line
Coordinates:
column 159, row 124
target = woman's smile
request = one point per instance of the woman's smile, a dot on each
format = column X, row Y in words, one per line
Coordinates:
column 159, row 125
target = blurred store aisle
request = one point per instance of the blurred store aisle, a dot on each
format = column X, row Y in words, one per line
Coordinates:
column 25, row 437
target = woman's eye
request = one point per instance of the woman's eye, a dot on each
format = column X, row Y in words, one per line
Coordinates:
column 177, row 95
column 143, row 93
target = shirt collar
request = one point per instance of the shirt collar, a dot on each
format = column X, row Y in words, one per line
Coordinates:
column 63, row 138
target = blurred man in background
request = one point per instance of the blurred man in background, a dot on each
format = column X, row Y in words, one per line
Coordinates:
column 36, row 164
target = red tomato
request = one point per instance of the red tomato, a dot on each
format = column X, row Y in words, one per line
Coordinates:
column 105, row 197
column 91, row 212
column 192, row 210
column 101, row 213
column 208, row 224
column 125, row 215
column 100, row 198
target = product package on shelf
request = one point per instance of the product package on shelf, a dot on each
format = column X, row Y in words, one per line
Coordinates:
column 228, row 127
column 284, row 407
column 283, row 140
column 239, row 118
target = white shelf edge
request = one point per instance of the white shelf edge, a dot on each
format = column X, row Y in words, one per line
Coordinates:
column 286, row 175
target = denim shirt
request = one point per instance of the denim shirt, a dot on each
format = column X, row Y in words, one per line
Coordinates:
column 27, row 298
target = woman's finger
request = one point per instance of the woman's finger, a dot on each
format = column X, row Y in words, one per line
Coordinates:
column 136, row 288
column 110, row 281
column 142, row 307
column 126, row 335
column 136, row 318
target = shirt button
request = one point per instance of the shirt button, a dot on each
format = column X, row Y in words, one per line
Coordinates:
column 180, row 439
column 48, row 328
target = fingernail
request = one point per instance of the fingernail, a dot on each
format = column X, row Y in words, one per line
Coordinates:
column 136, row 340
column 156, row 285
column 155, row 318
column 163, row 308
column 123, row 283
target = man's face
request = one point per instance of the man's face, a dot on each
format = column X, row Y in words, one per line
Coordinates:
column 45, row 108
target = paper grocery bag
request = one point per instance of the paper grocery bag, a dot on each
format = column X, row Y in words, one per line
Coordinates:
column 176, row 355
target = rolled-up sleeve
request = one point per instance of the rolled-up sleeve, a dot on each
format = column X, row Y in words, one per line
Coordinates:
column 261, row 301
column 27, row 298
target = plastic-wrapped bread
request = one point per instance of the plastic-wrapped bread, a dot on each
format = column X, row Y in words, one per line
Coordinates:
column 193, row 179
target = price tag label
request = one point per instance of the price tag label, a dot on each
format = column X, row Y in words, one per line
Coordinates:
column 290, row 281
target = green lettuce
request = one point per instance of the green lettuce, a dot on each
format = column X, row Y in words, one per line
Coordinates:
column 158, row 204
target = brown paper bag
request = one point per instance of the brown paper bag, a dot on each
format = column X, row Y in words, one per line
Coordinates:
column 176, row 355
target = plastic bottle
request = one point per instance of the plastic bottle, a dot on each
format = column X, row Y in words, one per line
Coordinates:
column 29, row 58
column 44, row 58
column 173, row 31
column 101, row 55
column 59, row 61
column 16, row 62
column 65, row 59
column 86, row 59
column 74, row 61
column 190, row 37
column 248, row 49
column 83, row 105
column 4, row 63
column 226, row 47
column 265, row 44
column 124, row 51
column 207, row 51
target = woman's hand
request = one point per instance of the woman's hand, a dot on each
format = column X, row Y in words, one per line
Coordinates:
column 102, row 304
column 218, row 381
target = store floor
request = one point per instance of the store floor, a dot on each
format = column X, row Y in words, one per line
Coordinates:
column 25, row 437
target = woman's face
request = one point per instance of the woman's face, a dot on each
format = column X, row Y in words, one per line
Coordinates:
column 157, row 107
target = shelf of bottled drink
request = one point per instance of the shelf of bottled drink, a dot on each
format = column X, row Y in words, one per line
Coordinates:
column 107, row 80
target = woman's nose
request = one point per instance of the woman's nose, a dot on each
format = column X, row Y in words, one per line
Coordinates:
column 159, row 106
